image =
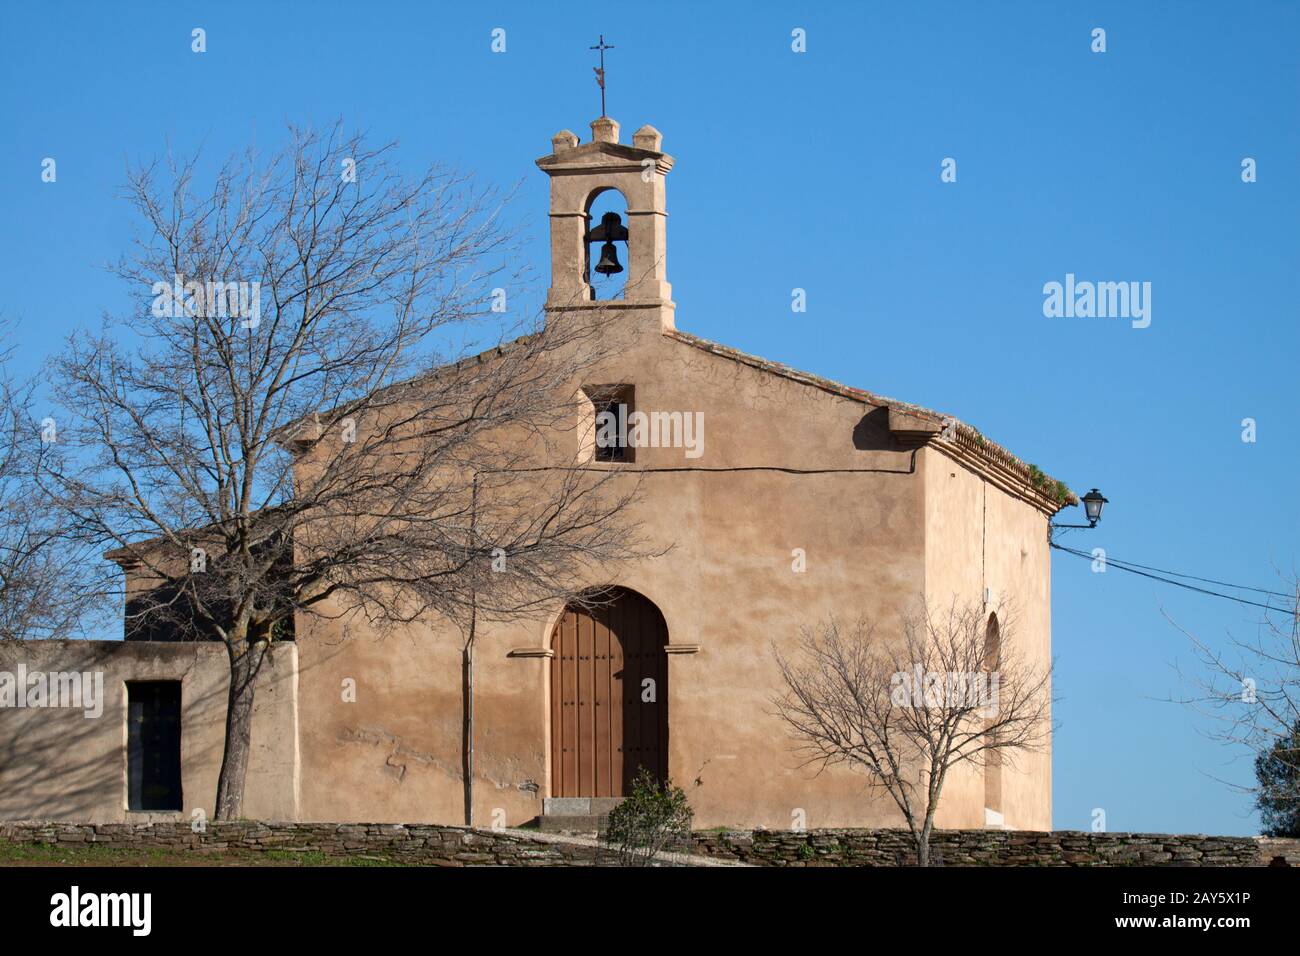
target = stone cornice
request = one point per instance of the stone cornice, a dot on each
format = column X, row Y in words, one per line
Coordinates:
column 597, row 156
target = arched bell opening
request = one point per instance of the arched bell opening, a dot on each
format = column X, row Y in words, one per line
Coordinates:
column 607, row 253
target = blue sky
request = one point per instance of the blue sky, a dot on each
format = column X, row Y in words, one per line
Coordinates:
column 821, row 171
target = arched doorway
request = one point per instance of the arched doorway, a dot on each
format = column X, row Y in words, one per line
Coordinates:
column 609, row 696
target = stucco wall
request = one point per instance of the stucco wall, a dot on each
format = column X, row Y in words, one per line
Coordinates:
column 59, row 764
column 726, row 585
column 375, row 730
column 980, row 537
column 790, row 473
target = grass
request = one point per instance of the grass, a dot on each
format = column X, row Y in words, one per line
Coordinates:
column 88, row 854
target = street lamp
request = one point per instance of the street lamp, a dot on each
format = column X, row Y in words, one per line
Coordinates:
column 1093, row 502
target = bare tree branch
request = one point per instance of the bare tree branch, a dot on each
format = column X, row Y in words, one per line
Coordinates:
column 906, row 708
column 1248, row 690
column 300, row 418
column 48, row 588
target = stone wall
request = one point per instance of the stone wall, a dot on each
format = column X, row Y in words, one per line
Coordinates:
column 427, row 845
column 990, row 848
column 461, row 846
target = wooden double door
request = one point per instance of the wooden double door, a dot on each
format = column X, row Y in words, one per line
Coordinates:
column 609, row 696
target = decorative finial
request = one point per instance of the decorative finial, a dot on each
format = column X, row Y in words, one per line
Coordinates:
column 600, row 70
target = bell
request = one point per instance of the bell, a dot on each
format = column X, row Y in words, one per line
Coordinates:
column 608, row 264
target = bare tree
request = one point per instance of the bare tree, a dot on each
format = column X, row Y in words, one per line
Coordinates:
column 1249, row 691
column 907, row 708
column 47, row 587
column 295, row 420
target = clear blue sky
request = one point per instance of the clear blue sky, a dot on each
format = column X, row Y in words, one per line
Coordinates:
column 821, row 171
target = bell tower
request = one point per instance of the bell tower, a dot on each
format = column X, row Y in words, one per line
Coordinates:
column 580, row 173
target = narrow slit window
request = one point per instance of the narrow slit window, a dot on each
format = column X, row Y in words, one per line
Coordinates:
column 153, row 748
column 993, row 756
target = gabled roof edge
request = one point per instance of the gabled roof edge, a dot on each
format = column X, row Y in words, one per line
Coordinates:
column 925, row 426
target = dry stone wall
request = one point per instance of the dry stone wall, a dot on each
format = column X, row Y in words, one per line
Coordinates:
column 461, row 846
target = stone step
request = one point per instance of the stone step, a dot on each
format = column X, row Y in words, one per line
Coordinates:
column 571, row 823
column 579, row 806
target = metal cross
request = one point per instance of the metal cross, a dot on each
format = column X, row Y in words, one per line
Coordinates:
column 600, row 70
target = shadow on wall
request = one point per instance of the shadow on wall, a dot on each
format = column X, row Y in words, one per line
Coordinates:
column 56, row 763
column 53, row 765
column 872, row 432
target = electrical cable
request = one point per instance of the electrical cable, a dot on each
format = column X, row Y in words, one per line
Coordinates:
column 1132, row 568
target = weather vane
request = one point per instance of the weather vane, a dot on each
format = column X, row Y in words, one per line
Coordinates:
column 600, row 70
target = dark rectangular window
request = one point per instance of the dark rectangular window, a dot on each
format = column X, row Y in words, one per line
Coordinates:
column 612, row 404
column 153, row 745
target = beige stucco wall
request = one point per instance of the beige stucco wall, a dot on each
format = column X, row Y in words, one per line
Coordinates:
column 980, row 537
column 880, row 525
column 726, row 585
column 58, row 764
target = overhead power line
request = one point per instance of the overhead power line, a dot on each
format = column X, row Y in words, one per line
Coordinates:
column 1157, row 574
column 1177, row 574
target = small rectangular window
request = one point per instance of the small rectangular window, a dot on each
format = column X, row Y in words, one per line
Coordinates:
column 613, row 404
column 153, row 745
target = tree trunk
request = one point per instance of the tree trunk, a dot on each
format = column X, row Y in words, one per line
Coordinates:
column 245, row 662
column 923, row 840
column 467, row 729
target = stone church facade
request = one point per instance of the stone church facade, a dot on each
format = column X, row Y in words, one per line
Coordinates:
column 812, row 500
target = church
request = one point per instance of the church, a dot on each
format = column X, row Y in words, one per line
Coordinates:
column 774, row 499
